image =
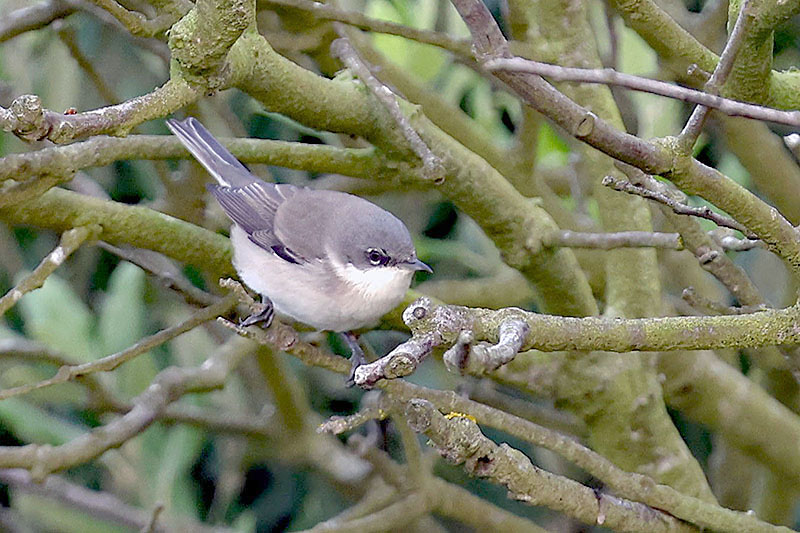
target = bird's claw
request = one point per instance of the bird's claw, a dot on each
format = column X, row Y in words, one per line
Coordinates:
column 357, row 357
column 264, row 316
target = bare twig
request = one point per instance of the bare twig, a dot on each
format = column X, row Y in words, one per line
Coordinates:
column 103, row 505
column 341, row 424
column 108, row 363
column 33, row 17
column 164, row 270
column 359, row 20
column 609, row 76
column 68, row 37
column 169, row 385
column 690, row 296
column 707, row 247
column 30, row 351
column 62, row 161
column 460, row 441
column 400, row 362
column 639, row 239
column 70, row 241
column 432, row 165
column 694, row 125
column 27, row 119
column 677, row 207
column 486, row 391
column 395, row 516
column 137, row 23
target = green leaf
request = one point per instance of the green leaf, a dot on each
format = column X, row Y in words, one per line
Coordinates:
column 57, row 317
column 31, row 424
column 49, row 515
column 122, row 324
column 173, row 481
column 551, row 150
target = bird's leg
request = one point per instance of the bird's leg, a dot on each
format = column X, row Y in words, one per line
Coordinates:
column 356, row 355
column 264, row 315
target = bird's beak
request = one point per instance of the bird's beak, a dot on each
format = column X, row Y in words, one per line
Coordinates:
column 416, row 264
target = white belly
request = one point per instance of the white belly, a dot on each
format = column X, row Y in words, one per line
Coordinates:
column 312, row 293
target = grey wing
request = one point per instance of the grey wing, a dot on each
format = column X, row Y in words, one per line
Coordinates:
column 253, row 208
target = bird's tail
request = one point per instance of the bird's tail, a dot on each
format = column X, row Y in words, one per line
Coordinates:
column 219, row 162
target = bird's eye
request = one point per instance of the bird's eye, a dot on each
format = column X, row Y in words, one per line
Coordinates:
column 377, row 257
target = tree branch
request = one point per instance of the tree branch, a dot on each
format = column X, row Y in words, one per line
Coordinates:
column 33, row 17
column 459, row 440
column 609, row 76
column 694, row 125
column 436, row 325
column 70, row 241
column 27, row 119
column 677, row 207
column 432, row 166
column 459, row 47
column 169, row 385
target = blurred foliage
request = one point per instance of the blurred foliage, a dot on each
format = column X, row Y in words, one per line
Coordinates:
column 96, row 304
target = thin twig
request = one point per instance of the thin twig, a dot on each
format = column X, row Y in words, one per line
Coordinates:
column 28, row 119
column 359, row 20
column 33, row 17
column 432, row 165
column 29, row 351
column 169, row 385
column 103, row 505
column 694, row 125
column 609, row 76
column 707, row 247
column 110, row 362
column 164, row 270
column 690, row 296
column 395, row 516
column 137, row 23
column 677, row 207
column 70, row 241
column 69, row 38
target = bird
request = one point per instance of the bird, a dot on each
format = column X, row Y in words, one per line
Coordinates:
column 328, row 259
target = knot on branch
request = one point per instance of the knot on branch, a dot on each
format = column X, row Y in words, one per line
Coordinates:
column 456, row 438
column 435, row 325
column 26, row 118
column 464, row 358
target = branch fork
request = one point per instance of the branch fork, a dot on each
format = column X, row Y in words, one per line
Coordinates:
column 435, row 325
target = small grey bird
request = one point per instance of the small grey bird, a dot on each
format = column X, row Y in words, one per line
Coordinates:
column 328, row 259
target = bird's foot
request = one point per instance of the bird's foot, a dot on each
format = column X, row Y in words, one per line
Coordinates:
column 357, row 357
column 264, row 315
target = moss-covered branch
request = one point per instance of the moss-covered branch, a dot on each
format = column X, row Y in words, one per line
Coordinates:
column 459, row 440
column 62, row 210
column 63, row 161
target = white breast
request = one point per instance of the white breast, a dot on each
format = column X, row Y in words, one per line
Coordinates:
column 326, row 295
